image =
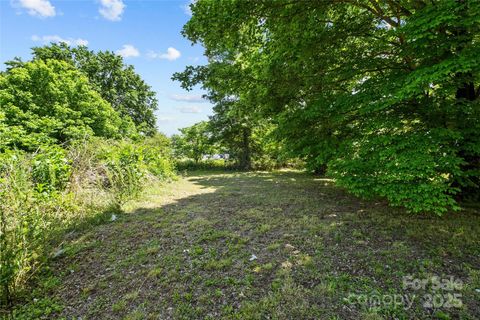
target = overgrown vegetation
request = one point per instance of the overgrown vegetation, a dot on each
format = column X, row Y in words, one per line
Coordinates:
column 68, row 153
column 48, row 192
column 381, row 95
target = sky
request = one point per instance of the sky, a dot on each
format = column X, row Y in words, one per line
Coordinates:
column 145, row 32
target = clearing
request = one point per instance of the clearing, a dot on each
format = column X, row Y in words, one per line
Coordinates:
column 279, row 245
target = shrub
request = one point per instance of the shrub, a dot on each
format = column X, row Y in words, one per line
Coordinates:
column 129, row 165
column 51, row 169
column 410, row 169
column 45, row 193
column 266, row 162
column 157, row 156
column 28, row 209
column 125, row 170
column 209, row 164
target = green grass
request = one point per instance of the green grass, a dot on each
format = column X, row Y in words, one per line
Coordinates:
column 184, row 251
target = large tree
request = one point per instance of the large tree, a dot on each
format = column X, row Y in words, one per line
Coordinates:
column 45, row 102
column 235, row 125
column 115, row 81
column 384, row 95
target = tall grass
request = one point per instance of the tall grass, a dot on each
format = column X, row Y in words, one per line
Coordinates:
column 43, row 194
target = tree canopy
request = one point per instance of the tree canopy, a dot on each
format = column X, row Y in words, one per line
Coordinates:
column 382, row 95
column 194, row 142
column 115, row 81
column 47, row 102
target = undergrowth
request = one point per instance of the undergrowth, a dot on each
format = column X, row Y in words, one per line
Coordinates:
column 54, row 189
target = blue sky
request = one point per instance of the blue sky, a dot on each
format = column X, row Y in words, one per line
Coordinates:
column 146, row 33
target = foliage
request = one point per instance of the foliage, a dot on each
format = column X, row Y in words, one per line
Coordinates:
column 232, row 127
column 194, row 142
column 50, row 102
column 28, row 209
column 116, row 82
column 383, row 96
column 268, row 152
column 157, row 154
column 51, row 169
column 416, row 175
column 47, row 192
column 128, row 166
column 124, row 171
column 208, row 164
column 253, row 147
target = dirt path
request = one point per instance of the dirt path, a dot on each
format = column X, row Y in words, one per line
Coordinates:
column 263, row 245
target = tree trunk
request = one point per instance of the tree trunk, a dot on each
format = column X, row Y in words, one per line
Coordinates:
column 245, row 160
column 472, row 161
column 467, row 92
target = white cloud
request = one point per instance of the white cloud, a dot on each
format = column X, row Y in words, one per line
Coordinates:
column 187, row 97
column 128, row 51
column 171, row 54
column 186, row 8
column 164, row 119
column 112, row 9
column 38, row 8
column 55, row 38
column 81, row 42
column 190, row 109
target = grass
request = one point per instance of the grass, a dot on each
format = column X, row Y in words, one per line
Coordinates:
column 277, row 245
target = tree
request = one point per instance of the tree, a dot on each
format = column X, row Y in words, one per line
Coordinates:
column 46, row 102
column 234, row 116
column 383, row 95
column 194, row 142
column 230, row 127
column 115, row 81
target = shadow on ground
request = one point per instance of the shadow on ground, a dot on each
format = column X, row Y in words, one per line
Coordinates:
column 267, row 245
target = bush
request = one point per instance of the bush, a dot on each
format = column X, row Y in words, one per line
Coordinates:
column 266, row 162
column 410, row 169
column 210, row 164
column 125, row 171
column 30, row 211
column 259, row 163
column 48, row 192
column 129, row 165
column 51, row 169
column 157, row 156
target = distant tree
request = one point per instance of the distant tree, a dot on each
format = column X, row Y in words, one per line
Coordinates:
column 194, row 142
column 115, row 81
column 233, row 129
column 236, row 125
column 159, row 141
column 44, row 102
